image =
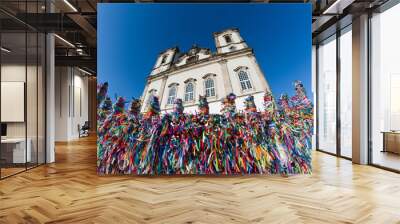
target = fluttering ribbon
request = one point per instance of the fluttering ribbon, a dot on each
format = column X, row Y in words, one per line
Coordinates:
column 276, row 140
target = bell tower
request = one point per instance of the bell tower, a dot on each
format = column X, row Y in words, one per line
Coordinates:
column 229, row 40
column 164, row 60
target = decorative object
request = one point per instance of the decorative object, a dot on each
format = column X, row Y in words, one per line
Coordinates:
column 274, row 141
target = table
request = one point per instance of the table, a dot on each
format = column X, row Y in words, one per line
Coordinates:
column 391, row 141
column 13, row 150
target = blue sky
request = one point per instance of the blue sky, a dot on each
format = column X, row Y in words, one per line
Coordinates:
column 130, row 36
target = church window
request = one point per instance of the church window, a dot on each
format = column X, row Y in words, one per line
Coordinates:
column 191, row 59
column 210, row 89
column 228, row 38
column 164, row 59
column 244, row 80
column 171, row 95
column 152, row 92
column 189, row 92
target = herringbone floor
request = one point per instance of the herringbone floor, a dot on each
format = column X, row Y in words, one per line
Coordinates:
column 69, row 191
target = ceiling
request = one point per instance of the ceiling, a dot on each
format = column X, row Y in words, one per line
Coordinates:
column 75, row 22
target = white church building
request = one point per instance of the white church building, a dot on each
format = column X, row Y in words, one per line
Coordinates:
column 232, row 69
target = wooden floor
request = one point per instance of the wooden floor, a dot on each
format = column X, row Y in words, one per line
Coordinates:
column 69, row 191
column 5, row 172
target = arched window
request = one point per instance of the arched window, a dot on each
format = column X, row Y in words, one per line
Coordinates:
column 171, row 95
column 228, row 38
column 189, row 92
column 244, row 80
column 209, row 87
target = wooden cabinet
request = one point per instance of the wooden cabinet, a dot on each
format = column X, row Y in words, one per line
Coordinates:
column 391, row 141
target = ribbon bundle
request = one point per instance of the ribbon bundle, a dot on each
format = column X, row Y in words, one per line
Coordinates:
column 274, row 141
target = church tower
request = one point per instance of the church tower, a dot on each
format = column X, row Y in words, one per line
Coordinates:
column 229, row 40
column 164, row 60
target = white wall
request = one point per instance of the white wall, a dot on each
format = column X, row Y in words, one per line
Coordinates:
column 154, row 85
column 222, row 66
column 33, row 126
column 223, row 46
column 257, row 79
column 201, row 54
column 80, row 111
column 158, row 67
column 62, row 81
column 16, row 73
column 195, row 73
column 225, row 78
column 216, row 105
column 71, row 102
column 9, row 73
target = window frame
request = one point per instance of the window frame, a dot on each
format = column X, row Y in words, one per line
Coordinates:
column 248, row 82
column 149, row 94
column 192, row 93
column 228, row 38
column 211, row 88
column 170, row 88
column 192, row 59
column 164, row 59
column 336, row 36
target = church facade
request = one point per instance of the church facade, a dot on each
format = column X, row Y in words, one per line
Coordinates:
column 232, row 69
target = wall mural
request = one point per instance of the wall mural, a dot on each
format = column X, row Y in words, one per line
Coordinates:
column 204, row 110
